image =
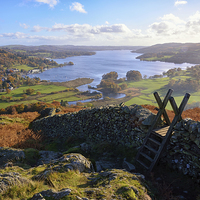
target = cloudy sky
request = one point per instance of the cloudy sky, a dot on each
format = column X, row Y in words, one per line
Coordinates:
column 99, row 22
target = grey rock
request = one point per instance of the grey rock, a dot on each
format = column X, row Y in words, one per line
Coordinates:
column 10, row 179
column 48, row 112
column 128, row 166
column 10, row 155
column 85, row 147
column 51, row 194
column 67, row 162
column 149, row 120
column 47, row 157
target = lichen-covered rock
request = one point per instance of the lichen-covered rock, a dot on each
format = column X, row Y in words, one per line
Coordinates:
column 68, row 162
column 48, row 112
column 46, row 157
column 9, row 154
column 113, row 178
column 10, row 179
column 51, row 194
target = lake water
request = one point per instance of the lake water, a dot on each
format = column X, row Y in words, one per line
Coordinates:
column 103, row 62
column 120, row 61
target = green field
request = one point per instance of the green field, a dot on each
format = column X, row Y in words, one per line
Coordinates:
column 149, row 86
column 45, row 90
column 25, row 67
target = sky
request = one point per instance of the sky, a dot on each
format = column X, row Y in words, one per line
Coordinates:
column 99, row 22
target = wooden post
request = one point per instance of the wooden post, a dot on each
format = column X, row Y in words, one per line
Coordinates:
column 160, row 104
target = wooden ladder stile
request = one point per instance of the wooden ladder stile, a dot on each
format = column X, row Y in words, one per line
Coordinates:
column 157, row 139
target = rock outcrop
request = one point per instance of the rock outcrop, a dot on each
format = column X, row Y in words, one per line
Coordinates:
column 10, row 154
column 66, row 163
column 8, row 180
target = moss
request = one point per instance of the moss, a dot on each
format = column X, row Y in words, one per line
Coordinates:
column 52, row 146
column 31, row 156
column 127, row 192
column 73, row 150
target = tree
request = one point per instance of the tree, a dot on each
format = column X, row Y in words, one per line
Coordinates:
column 133, row 75
column 123, row 86
column 8, row 91
column 3, row 98
column 110, row 75
column 70, row 63
column 24, row 96
column 30, row 91
column 20, row 108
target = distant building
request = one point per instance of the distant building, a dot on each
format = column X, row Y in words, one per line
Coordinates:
column 15, row 70
column 34, row 71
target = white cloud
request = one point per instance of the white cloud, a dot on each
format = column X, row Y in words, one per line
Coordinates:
column 172, row 18
column 107, row 22
column 51, row 3
column 38, row 28
column 195, row 17
column 160, row 27
column 77, row 7
column 169, row 25
column 168, row 28
column 25, row 26
column 18, row 35
column 177, row 3
column 85, row 28
column 193, row 24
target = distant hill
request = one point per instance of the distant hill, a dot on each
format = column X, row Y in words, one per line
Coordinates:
column 62, row 51
column 9, row 59
column 70, row 47
column 171, row 52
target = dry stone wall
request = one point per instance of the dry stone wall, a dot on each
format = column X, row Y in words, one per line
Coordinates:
column 118, row 124
column 183, row 151
column 127, row 126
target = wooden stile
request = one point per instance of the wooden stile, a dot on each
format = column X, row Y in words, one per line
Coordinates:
column 157, row 139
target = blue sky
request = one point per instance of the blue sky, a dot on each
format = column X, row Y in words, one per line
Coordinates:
column 99, row 22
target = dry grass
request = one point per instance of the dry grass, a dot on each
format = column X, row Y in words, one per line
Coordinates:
column 190, row 113
column 18, row 135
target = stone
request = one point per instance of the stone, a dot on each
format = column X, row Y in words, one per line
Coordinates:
column 85, row 147
column 10, row 179
column 128, row 166
column 48, row 112
column 46, row 157
column 51, row 194
column 149, row 120
column 67, row 162
column 10, row 155
column 192, row 137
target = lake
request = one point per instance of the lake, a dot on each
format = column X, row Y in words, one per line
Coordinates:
column 103, row 62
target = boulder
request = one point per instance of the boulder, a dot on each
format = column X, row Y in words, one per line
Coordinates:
column 10, row 179
column 67, row 162
column 47, row 156
column 10, row 154
column 51, row 194
column 48, row 112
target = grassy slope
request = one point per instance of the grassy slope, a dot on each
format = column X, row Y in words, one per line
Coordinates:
column 149, row 86
column 44, row 90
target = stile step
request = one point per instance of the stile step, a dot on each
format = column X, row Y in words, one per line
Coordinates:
column 151, row 149
column 141, row 163
column 146, row 156
column 155, row 141
column 156, row 134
